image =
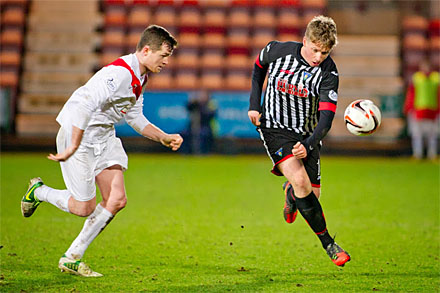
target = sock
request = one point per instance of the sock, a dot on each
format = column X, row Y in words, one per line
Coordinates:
column 311, row 210
column 94, row 224
column 59, row 198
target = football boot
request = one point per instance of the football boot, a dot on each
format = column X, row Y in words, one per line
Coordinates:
column 29, row 202
column 290, row 211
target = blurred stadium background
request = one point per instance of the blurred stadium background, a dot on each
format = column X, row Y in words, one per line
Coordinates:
column 51, row 47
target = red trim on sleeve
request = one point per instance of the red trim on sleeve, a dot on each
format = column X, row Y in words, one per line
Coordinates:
column 257, row 61
column 327, row 106
column 135, row 83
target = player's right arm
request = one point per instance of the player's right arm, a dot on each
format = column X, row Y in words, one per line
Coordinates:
column 78, row 111
column 258, row 76
column 77, row 135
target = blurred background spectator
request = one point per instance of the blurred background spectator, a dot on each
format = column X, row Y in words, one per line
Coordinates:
column 422, row 110
column 199, row 136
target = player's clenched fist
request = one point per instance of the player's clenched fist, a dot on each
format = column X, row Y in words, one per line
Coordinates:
column 299, row 151
column 173, row 141
column 254, row 116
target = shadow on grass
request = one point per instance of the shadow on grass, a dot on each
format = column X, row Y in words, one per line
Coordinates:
column 28, row 277
column 213, row 278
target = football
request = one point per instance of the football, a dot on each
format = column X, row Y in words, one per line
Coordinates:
column 362, row 117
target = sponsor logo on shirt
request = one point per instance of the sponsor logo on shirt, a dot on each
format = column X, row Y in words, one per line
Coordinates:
column 291, row 89
column 287, row 71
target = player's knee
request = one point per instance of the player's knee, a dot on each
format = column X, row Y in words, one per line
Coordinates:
column 317, row 192
column 85, row 210
column 302, row 183
column 122, row 203
column 119, row 204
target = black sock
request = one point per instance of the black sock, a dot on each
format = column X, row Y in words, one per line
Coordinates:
column 311, row 210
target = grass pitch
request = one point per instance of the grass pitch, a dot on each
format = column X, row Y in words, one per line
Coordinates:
column 215, row 224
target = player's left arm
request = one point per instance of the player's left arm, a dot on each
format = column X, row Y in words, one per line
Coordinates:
column 136, row 119
column 328, row 97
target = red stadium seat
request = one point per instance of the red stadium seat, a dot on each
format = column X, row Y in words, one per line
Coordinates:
column 139, row 16
column 214, row 17
column 13, row 16
column 187, row 58
column 187, row 79
column 212, row 80
column 213, row 40
column 238, row 80
column 115, row 16
column 212, row 59
column 10, row 58
column 414, row 23
column 165, row 16
column 264, row 17
column 190, row 17
column 239, row 17
column 434, row 27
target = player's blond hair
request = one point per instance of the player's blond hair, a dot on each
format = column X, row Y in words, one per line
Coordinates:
column 322, row 29
column 154, row 36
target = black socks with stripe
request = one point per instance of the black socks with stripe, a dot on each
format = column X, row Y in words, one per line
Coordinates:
column 311, row 210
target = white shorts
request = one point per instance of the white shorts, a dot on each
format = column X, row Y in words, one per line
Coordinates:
column 80, row 170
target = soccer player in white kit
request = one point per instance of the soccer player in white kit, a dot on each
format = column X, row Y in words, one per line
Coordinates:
column 88, row 150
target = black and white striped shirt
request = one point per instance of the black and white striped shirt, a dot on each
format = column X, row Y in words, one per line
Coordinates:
column 295, row 90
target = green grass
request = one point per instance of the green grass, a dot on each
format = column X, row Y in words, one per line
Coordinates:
column 215, row 224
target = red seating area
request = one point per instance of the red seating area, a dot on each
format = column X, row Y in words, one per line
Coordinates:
column 13, row 23
column 420, row 39
column 218, row 39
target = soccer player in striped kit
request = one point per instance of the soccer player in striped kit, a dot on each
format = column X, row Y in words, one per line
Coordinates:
column 88, row 150
column 296, row 113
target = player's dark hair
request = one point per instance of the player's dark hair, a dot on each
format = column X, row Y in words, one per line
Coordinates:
column 322, row 29
column 154, row 36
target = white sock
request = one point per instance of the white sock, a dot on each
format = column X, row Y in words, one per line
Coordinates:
column 94, row 224
column 59, row 198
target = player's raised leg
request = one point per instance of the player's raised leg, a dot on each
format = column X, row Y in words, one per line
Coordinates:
column 310, row 208
column 39, row 192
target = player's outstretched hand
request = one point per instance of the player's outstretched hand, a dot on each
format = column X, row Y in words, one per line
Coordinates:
column 62, row 156
column 254, row 116
column 172, row 141
column 299, row 151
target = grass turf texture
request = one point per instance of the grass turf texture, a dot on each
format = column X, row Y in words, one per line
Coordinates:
column 215, row 224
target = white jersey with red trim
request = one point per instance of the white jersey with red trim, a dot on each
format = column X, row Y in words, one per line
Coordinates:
column 295, row 90
column 104, row 100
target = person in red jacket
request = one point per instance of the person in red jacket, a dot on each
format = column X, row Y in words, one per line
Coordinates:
column 422, row 109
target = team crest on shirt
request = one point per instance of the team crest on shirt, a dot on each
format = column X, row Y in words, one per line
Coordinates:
column 333, row 95
column 279, row 152
column 305, row 76
column 110, row 82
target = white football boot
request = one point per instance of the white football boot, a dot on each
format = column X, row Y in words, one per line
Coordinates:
column 76, row 267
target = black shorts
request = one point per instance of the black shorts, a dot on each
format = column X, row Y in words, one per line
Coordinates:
column 279, row 144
